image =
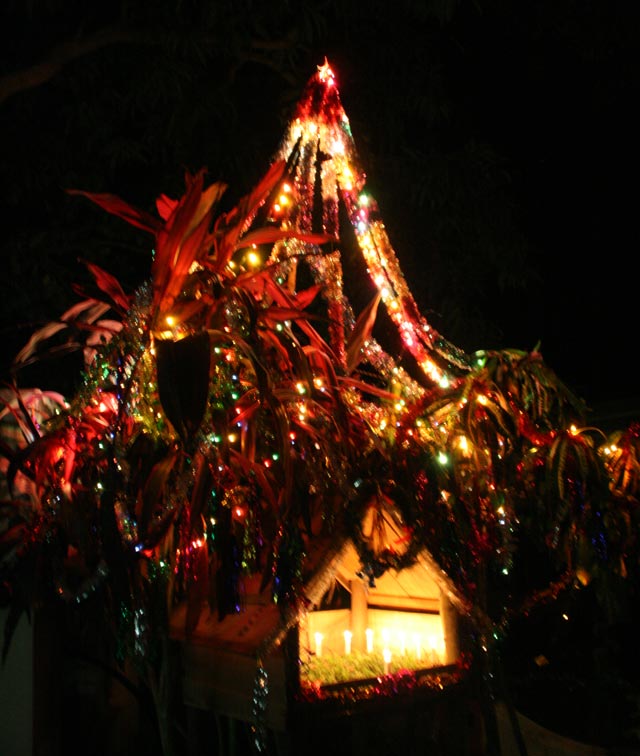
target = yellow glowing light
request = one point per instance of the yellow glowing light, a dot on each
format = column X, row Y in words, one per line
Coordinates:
column 170, row 321
column 369, row 633
column 300, row 387
column 386, row 655
column 232, row 438
column 253, row 259
column 325, row 73
column 482, row 399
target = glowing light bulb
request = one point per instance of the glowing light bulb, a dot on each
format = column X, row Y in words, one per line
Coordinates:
column 253, row 259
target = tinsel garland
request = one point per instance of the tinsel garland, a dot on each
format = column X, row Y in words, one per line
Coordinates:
column 342, row 697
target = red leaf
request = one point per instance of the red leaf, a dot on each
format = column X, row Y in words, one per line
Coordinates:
column 183, row 239
column 270, row 235
column 255, row 468
column 197, row 588
column 165, row 206
column 361, row 333
column 230, row 226
column 122, row 209
column 111, row 286
column 280, row 314
column 153, row 492
column 304, row 298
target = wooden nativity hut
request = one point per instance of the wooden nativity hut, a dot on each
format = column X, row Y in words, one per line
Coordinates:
column 367, row 662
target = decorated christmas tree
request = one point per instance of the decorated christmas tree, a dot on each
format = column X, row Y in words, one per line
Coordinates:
column 272, row 384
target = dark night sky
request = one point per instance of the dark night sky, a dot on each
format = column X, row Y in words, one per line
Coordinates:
column 560, row 106
column 559, row 103
column 553, row 90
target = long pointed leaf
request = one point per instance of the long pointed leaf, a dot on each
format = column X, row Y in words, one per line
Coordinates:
column 116, row 206
column 361, row 333
column 183, row 381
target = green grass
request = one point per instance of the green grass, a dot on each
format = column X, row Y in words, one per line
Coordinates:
column 336, row 668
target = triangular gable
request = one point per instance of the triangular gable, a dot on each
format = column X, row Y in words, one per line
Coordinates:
column 329, row 194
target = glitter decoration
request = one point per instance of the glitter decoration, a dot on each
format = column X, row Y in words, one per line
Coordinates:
column 259, row 703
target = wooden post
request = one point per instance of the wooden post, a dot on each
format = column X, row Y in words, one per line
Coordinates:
column 359, row 609
column 450, row 628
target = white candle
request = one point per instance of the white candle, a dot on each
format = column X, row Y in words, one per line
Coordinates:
column 318, row 637
column 347, row 641
column 369, row 633
column 386, row 655
column 416, row 642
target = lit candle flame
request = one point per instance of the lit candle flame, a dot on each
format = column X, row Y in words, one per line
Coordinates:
column 386, row 655
column 369, row 633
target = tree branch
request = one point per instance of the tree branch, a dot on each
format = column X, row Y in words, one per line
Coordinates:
column 40, row 73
